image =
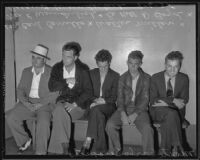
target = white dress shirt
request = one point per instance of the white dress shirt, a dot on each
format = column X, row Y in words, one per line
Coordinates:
column 102, row 77
column 172, row 81
column 35, row 84
column 134, row 83
column 70, row 74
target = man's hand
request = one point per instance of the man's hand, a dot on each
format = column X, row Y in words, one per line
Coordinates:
column 124, row 118
column 37, row 106
column 31, row 107
column 132, row 118
column 93, row 104
column 70, row 106
column 71, row 82
column 99, row 100
column 160, row 103
column 179, row 102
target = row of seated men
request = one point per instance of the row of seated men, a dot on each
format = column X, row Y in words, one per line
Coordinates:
column 69, row 90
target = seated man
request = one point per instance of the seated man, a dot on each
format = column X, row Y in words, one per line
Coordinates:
column 35, row 100
column 169, row 93
column 75, row 88
column 132, row 103
column 105, row 82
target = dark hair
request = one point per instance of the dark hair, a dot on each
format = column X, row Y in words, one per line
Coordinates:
column 174, row 55
column 75, row 46
column 136, row 55
column 103, row 55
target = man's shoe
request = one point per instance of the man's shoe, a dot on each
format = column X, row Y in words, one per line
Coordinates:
column 84, row 151
column 25, row 146
column 65, row 148
column 164, row 153
column 71, row 152
column 118, row 152
column 185, row 123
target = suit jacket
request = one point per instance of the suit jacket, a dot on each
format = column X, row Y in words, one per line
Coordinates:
column 80, row 93
column 125, row 93
column 25, row 83
column 109, row 88
column 158, row 88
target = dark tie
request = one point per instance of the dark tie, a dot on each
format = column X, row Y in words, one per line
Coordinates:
column 169, row 88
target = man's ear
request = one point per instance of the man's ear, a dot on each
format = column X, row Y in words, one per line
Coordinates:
column 75, row 57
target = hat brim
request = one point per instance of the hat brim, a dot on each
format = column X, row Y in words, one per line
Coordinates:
column 40, row 55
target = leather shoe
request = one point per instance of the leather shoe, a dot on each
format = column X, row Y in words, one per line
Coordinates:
column 118, row 152
column 185, row 123
column 71, row 152
column 25, row 146
column 84, row 151
column 164, row 153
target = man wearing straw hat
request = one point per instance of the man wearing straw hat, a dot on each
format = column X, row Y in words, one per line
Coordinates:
column 35, row 100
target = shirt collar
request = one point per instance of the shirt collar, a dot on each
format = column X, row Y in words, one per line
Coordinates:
column 72, row 71
column 167, row 77
column 33, row 70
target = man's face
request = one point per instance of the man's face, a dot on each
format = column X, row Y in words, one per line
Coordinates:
column 38, row 61
column 68, row 58
column 133, row 65
column 172, row 67
column 103, row 66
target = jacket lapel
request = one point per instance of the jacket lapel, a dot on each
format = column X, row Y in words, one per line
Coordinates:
column 139, row 85
column 29, row 79
column 162, row 84
column 106, row 81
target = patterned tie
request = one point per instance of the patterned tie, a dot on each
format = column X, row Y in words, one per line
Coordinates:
column 169, row 88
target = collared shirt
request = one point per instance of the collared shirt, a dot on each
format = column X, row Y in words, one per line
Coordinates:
column 102, row 78
column 70, row 74
column 134, row 83
column 35, row 84
column 172, row 81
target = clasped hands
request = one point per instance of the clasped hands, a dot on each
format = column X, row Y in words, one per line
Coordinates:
column 128, row 120
column 97, row 101
column 177, row 101
column 71, row 82
column 70, row 106
column 34, row 107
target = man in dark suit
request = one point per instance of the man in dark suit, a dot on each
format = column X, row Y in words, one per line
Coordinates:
column 35, row 100
column 132, row 106
column 103, row 102
column 169, row 94
column 75, row 88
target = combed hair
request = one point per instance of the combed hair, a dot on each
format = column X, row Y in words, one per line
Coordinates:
column 174, row 55
column 75, row 46
column 136, row 55
column 103, row 55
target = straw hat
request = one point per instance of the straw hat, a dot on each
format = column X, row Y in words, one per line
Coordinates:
column 41, row 50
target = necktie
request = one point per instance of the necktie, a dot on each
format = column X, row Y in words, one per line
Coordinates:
column 169, row 88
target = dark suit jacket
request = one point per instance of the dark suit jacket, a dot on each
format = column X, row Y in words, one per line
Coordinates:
column 109, row 89
column 125, row 93
column 158, row 88
column 80, row 93
column 24, row 87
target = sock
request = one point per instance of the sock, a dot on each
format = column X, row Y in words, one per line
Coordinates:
column 87, row 142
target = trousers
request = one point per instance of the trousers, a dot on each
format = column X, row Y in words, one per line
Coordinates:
column 142, row 123
column 61, row 130
column 97, row 119
column 20, row 113
column 170, row 126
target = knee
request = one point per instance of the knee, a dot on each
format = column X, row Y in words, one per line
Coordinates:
column 172, row 115
column 58, row 111
column 147, row 129
column 109, row 126
column 43, row 124
column 10, row 118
